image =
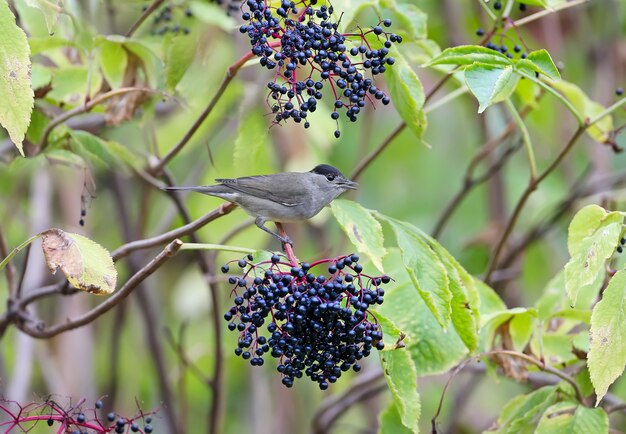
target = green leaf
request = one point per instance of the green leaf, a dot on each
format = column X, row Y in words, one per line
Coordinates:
column 490, row 301
column 65, row 158
column 426, row 270
column 252, row 144
column 70, row 84
column 465, row 300
column 593, row 237
column 571, row 418
column 86, row 265
column 408, row 21
column 15, row 91
column 51, row 9
column 37, row 45
column 600, row 131
column 490, row 84
column 113, row 61
column 469, row 54
column 463, row 306
column 432, row 349
column 40, row 76
column 607, row 354
column 528, row 91
column 401, row 376
column 212, row 14
column 522, row 413
column 544, row 64
column 93, row 148
column 352, row 11
column 407, row 93
column 180, row 52
column 520, row 326
column 390, row 421
column 363, row 230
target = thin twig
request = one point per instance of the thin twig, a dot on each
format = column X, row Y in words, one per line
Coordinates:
column 187, row 229
column 369, row 158
column 155, row 4
column 10, row 268
column 532, row 186
column 469, row 180
column 231, row 71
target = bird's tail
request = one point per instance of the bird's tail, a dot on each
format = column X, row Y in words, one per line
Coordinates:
column 200, row 189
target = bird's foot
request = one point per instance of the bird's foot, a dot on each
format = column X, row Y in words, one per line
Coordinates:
column 285, row 240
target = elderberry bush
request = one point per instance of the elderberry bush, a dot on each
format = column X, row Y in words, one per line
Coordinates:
column 301, row 43
column 315, row 325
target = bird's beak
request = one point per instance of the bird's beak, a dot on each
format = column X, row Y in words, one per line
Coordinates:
column 350, row 184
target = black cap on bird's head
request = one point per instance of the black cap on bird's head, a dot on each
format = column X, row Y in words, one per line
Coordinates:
column 333, row 174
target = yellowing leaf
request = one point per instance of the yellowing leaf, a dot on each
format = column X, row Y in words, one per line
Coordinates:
column 86, row 264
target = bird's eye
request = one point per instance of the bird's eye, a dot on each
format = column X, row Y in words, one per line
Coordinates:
column 330, row 177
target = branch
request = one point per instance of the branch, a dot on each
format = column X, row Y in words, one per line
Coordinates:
column 155, row 4
column 364, row 387
column 532, row 186
column 187, row 229
column 470, row 181
column 40, row 331
column 369, row 158
column 231, row 71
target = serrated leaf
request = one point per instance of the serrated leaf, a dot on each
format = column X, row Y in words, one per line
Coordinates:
column 363, row 230
column 87, row 265
column 407, row 93
column 113, row 61
column 51, row 9
column 15, row 84
column 607, row 353
column 522, row 413
column 490, row 84
column 469, row 54
column 432, row 349
column 401, row 376
column 593, row 236
column 571, row 418
column 601, row 130
column 465, row 300
column 427, row 273
column 544, row 63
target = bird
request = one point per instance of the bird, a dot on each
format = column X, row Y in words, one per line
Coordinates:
column 284, row 197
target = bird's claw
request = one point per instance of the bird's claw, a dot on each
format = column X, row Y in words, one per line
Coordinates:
column 286, row 240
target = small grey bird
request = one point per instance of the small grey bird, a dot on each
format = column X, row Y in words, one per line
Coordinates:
column 282, row 197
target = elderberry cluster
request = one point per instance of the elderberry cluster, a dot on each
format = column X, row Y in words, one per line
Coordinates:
column 298, row 41
column 315, row 325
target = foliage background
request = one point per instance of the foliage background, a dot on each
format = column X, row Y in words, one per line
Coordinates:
column 119, row 354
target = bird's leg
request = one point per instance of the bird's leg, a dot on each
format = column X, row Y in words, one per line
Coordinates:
column 260, row 222
column 288, row 248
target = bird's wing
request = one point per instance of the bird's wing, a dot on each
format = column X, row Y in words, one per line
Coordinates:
column 265, row 187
